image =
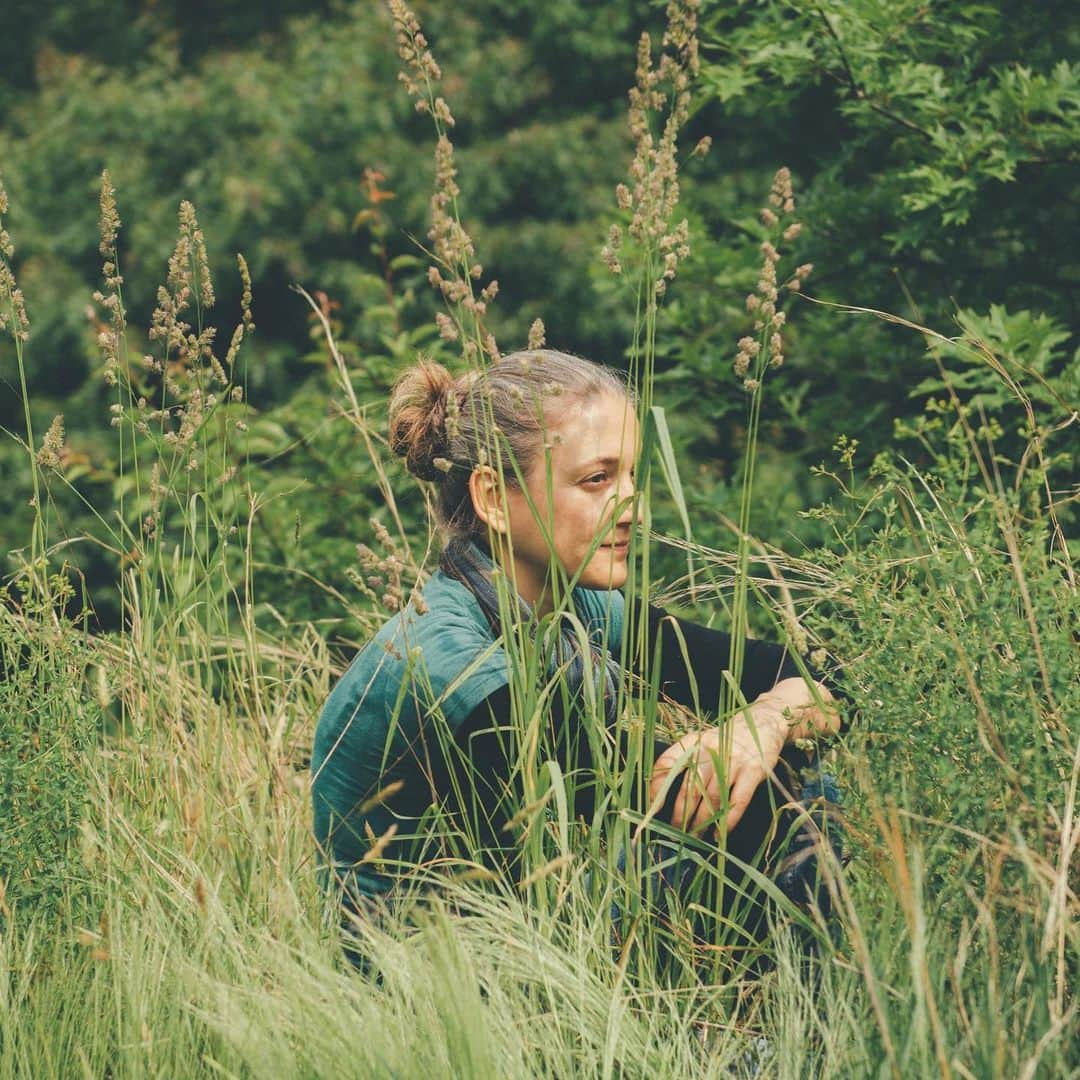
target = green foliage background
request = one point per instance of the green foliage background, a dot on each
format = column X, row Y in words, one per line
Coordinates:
column 933, row 149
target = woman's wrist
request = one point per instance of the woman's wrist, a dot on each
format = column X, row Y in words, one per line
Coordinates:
column 805, row 712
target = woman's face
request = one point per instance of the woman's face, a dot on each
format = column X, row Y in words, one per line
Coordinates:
column 591, row 466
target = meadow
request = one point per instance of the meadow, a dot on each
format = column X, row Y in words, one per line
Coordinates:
column 176, row 610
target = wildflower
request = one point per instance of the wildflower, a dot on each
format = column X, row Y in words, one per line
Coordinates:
column 157, row 489
column 53, row 444
column 245, row 296
column 804, row 271
column 412, row 48
column 780, row 195
column 442, row 112
column 109, row 226
column 12, row 304
column 382, row 533
column 536, row 335
column 704, row 144
column 453, row 413
column 197, row 250
column 766, row 285
column 234, row 345
column 792, row 231
column 447, row 328
column 14, row 311
column 609, row 252
column 654, row 169
column 750, row 385
column 379, row 845
column 451, row 244
column 768, row 218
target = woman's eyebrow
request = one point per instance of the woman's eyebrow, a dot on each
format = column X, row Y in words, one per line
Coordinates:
column 608, row 462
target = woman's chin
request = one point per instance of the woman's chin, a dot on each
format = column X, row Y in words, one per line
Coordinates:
column 605, row 573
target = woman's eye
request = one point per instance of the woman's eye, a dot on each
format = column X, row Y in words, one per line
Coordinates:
column 596, row 478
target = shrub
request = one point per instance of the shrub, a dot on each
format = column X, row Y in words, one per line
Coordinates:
column 48, row 722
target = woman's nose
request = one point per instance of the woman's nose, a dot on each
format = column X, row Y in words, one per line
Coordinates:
column 630, row 512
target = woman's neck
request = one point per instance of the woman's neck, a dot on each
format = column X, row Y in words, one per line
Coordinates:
column 538, row 595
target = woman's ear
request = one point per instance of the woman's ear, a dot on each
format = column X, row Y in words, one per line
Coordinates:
column 489, row 503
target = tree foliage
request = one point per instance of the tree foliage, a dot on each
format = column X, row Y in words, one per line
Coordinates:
column 932, row 149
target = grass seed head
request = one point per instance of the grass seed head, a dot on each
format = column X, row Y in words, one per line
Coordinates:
column 7, row 248
column 536, row 335
column 109, row 228
column 49, row 456
column 245, row 295
column 654, row 168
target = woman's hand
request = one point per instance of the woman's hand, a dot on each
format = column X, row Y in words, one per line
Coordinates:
column 757, row 736
column 790, row 710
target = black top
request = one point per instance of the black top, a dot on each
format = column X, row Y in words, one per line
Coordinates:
column 480, row 780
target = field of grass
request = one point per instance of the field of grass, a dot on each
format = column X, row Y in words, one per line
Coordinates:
column 161, row 908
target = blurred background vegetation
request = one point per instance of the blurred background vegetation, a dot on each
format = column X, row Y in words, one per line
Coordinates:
column 934, row 150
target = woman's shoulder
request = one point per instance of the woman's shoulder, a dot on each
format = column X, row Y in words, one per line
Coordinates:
column 439, row 644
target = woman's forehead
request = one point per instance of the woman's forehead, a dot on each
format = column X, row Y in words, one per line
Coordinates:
column 601, row 427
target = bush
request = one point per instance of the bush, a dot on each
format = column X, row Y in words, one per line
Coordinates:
column 48, row 722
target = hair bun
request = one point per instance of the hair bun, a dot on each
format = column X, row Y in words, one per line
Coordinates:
column 418, row 417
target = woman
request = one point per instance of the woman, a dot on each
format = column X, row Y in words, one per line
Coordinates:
column 532, row 462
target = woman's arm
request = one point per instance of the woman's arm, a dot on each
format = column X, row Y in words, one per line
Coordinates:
column 700, row 684
column 782, row 709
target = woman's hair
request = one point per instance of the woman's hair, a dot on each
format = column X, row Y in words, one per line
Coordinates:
column 444, row 427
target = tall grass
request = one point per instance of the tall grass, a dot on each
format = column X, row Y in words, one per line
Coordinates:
column 192, row 934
